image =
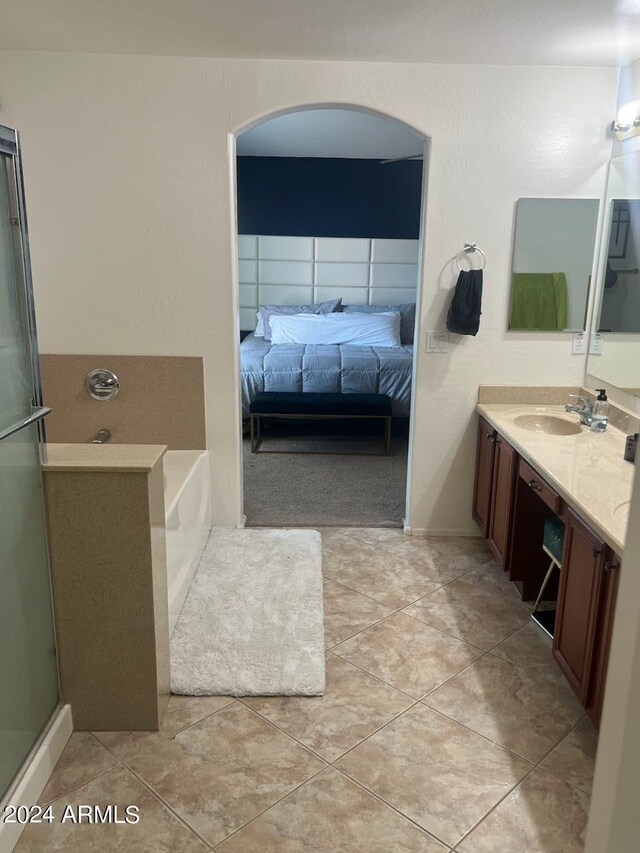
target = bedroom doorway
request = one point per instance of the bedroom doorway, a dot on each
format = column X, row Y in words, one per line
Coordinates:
column 329, row 220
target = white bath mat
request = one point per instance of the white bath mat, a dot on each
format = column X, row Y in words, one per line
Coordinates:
column 252, row 623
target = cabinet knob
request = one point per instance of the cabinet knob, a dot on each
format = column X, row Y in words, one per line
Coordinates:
column 491, row 436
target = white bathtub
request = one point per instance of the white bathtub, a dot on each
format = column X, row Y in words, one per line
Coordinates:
column 187, row 501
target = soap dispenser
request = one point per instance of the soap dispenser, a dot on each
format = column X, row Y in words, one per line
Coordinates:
column 600, row 417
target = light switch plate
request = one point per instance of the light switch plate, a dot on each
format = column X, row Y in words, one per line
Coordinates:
column 437, row 342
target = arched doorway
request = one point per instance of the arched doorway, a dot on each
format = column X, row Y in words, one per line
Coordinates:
column 330, row 207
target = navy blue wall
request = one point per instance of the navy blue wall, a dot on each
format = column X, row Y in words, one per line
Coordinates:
column 326, row 197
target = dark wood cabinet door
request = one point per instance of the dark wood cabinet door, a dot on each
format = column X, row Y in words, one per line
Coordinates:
column 484, row 475
column 602, row 644
column 502, row 492
column 581, row 581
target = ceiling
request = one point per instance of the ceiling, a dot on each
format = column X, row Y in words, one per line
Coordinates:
column 330, row 133
column 502, row 32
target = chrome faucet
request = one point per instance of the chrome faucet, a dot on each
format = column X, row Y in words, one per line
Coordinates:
column 102, row 437
column 583, row 408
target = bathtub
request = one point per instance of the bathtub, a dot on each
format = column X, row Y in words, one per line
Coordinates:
column 187, row 501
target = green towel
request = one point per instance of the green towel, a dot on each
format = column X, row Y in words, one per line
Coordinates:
column 539, row 301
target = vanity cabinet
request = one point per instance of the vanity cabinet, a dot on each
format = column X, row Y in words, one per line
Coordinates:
column 604, row 629
column 586, row 607
column 485, row 452
column 511, row 503
column 505, row 464
column 578, row 604
column 496, row 464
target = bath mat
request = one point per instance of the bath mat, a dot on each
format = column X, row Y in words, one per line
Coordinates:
column 252, row 622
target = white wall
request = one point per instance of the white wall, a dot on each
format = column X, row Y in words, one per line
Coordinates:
column 128, row 184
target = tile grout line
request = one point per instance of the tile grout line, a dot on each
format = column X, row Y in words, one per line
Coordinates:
column 377, row 677
column 125, row 758
column 168, row 806
column 415, row 619
column 266, row 719
column 73, row 790
column 536, row 766
column 390, row 806
column 268, row 808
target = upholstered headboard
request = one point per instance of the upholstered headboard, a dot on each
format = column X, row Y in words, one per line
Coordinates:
column 301, row 270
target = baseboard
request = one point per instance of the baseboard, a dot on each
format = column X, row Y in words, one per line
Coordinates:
column 441, row 531
column 31, row 783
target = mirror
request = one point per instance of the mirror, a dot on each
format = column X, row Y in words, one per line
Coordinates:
column 553, row 251
column 620, row 302
column 617, row 314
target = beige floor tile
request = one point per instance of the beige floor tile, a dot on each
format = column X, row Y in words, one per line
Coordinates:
column 452, row 555
column 354, row 705
column 492, row 576
column 331, row 814
column 481, row 616
column 407, row 654
column 346, row 612
column 222, row 772
column 339, row 551
column 542, row 815
column 382, row 537
column 436, row 772
column 158, row 831
column 182, row 711
column 517, row 708
column 530, row 648
column 391, row 579
column 82, row 760
column 574, row 758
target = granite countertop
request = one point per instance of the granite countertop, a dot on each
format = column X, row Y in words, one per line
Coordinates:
column 587, row 470
column 102, row 457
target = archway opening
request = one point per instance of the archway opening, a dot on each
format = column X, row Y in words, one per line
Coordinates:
column 330, row 204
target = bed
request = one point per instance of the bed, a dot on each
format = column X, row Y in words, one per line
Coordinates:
column 364, row 275
column 340, row 368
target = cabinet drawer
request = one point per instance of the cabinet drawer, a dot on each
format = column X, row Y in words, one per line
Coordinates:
column 542, row 489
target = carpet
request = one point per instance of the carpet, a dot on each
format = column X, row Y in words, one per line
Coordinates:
column 300, row 490
column 252, row 622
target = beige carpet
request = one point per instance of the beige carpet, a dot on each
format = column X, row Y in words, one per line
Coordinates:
column 299, row 490
column 252, row 622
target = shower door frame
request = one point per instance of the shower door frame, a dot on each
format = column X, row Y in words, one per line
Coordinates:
column 31, row 777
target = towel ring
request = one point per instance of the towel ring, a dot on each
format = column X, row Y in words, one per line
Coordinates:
column 470, row 247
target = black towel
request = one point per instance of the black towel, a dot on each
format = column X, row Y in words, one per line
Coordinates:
column 466, row 306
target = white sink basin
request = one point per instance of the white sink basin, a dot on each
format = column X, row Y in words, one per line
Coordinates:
column 622, row 509
column 547, row 424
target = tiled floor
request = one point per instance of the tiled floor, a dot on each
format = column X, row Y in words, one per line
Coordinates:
column 445, row 726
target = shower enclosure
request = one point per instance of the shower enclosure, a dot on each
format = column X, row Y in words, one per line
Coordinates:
column 29, row 693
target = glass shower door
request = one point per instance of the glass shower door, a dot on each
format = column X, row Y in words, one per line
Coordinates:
column 28, row 667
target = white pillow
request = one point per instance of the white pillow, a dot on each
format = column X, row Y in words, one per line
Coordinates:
column 366, row 330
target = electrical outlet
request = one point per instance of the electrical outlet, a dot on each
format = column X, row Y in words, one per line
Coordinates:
column 596, row 344
column 578, row 343
column 437, row 342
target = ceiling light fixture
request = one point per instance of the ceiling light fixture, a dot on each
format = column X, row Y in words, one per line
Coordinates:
column 627, row 122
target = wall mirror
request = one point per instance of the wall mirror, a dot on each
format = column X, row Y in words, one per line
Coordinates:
column 553, row 251
column 617, row 314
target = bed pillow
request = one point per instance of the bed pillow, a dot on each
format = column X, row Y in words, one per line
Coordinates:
column 366, row 330
column 407, row 313
column 263, row 329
